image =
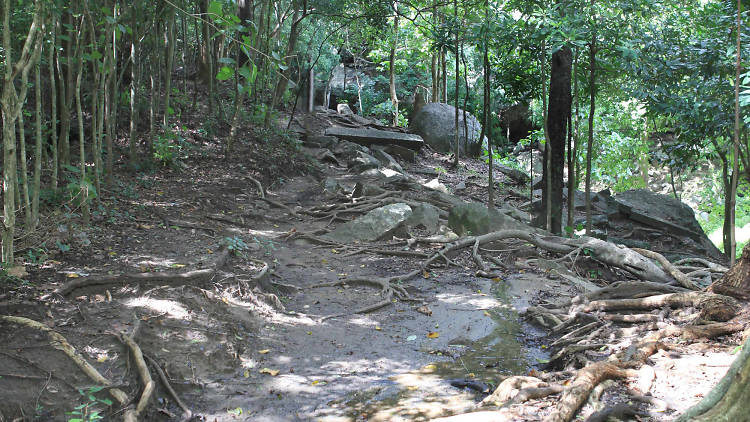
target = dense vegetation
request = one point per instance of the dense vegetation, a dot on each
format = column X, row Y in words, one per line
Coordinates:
column 652, row 85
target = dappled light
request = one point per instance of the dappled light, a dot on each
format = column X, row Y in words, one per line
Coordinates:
column 348, row 210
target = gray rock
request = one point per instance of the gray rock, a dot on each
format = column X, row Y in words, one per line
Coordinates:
column 366, row 189
column 321, row 141
column 475, row 219
column 379, row 223
column 344, row 110
column 665, row 213
column 363, row 162
column 387, row 160
column 348, row 150
column 435, row 123
column 460, row 186
column 384, row 176
column 332, row 186
column 426, row 216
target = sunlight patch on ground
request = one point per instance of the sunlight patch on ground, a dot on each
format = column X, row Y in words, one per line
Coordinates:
column 478, row 300
column 161, row 306
column 159, row 262
column 266, row 233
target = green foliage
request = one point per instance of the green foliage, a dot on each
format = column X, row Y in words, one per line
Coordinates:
column 235, row 245
column 89, row 410
column 169, row 147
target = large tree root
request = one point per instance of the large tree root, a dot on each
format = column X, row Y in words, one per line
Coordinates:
column 60, row 343
column 186, row 413
column 143, row 373
column 673, row 300
column 195, row 276
column 577, row 392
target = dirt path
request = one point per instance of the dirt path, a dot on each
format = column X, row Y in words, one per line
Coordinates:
column 233, row 352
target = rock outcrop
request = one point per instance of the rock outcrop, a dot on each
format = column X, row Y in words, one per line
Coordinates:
column 435, row 123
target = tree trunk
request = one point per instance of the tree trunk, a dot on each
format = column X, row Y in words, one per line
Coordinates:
column 455, row 102
column 486, row 124
column 169, row 38
column 557, row 124
column 38, row 147
column 11, row 103
column 133, row 86
column 546, row 182
column 590, row 144
column 730, row 400
column 736, row 147
column 573, row 151
column 53, row 104
column 392, row 66
column 24, row 181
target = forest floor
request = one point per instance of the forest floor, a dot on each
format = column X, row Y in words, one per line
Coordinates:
column 242, row 335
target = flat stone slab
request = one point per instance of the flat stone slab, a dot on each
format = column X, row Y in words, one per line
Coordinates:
column 369, row 136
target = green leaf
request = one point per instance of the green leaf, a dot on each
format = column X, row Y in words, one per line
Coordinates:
column 225, row 73
column 226, row 60
column 215, row 10
column 275, row 55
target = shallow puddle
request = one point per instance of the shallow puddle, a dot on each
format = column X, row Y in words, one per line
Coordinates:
column 461, row 375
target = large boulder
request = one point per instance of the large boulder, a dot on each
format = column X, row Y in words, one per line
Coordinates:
column 663, row 213
column 476, row 219
column 379, row 223
column 435, row 123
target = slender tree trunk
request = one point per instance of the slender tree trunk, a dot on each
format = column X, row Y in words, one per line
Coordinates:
column 24, row 181
column 457, row 150
column 84, row 192
column 311, row 90
column 53, row 104
column 169, row 38
column 134, row 63
column 557, row 125
column 486, row 124
column 11, row 105
column 590, row 143
column 444, row 76
column 572, row 150
column 546, row 182
column 736, row 147
column 392, row 65
column 38, row 147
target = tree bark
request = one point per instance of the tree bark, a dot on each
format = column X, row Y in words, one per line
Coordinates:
column 558, row 115
column 736, row 146
column 590, row 144
column 392, row 66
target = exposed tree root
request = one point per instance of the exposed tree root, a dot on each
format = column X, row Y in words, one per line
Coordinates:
column 195, row 276
column 577, row 392
column 186, row 413
column 387, row 290
column 261, row 191
column 669, row 268
column 673, row 300
column 143, row 373
column 60, row 343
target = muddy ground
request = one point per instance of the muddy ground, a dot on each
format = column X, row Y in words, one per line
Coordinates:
column 233, row 351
